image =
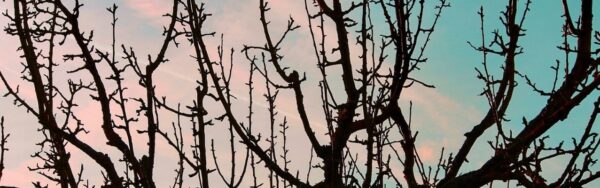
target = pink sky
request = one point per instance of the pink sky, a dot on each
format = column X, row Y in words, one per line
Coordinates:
column 140, row 25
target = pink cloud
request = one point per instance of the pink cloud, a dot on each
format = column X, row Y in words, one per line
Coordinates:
column 427, row 153
column 152, row 10
column 19, row 175
column 243, row 27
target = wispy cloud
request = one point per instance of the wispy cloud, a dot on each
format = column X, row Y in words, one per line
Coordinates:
column 151, row 10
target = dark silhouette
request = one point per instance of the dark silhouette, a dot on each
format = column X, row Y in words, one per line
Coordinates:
column 373, row 80
column 3, row 147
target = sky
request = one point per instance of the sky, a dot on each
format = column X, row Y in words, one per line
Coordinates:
column 441, row 115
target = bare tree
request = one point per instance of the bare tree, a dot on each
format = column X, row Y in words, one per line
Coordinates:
column 363, row 113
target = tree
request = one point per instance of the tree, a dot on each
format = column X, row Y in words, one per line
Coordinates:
column 363, row 110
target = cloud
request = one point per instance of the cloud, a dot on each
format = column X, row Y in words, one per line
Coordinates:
column 152, row 10
column 19, row 175
column 238, row 21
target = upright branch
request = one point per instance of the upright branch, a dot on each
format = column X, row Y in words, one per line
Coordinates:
column 206, row 64
column 44, row 113
column 498, row 97
column 3, row 147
